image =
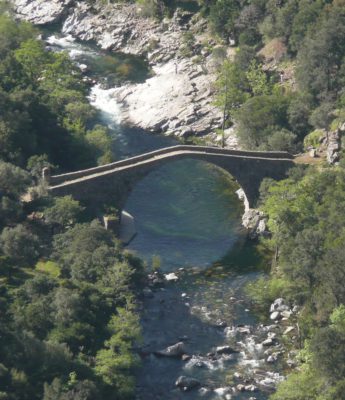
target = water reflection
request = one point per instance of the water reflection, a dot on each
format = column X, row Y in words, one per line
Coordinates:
column 186, row 212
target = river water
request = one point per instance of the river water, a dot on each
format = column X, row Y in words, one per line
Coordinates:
column 188, row 220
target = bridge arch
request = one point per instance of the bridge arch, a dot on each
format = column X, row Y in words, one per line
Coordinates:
column 112, row 183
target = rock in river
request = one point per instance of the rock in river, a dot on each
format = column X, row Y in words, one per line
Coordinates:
column 225, row 350
column 185, row 383
column 176, row 350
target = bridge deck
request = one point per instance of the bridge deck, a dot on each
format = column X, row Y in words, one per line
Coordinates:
column 152, row 157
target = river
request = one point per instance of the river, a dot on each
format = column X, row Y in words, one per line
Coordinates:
column 188, row 219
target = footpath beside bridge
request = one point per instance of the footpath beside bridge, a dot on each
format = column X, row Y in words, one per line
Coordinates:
column 112, row 183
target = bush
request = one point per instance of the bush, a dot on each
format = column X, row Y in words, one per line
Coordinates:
column 282, row 140
column 265, row 290
column 313, row 139
column 19, row 245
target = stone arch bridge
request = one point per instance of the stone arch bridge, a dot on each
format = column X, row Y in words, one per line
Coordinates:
column 112, row 183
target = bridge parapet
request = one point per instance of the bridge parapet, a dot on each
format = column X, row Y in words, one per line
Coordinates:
column 58, row 179
column 112, row 183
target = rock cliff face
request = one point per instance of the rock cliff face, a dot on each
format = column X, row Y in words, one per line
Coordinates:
column 177, row 100
column 42, row 12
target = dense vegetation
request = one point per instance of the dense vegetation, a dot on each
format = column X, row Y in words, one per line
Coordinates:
column 67, row 290
column 287, row 76
column 307, row 225
column 44, row 111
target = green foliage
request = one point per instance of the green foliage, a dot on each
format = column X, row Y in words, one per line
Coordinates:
column 43, row 103
column 54, row 313
column 307, row 226
column 116, row 360
column 301, row 385
column 264, row 291
column 19, row 245
column 257, row 79
column 231, row 87
column 65, row 211
column 299, row 111
column 325, row 42
column 100, row 140
column 36, row 164
column 13, row 183
column 281, row 139
column 156, row 262
column 48, row 267
column 313, row 139
column 85, row 251
column 223, row 14
column 259, row 117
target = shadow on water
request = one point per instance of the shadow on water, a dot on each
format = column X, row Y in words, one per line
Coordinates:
column 186, row 212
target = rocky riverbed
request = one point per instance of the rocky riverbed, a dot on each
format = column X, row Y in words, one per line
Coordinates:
column 239, row 360
column 178, row 98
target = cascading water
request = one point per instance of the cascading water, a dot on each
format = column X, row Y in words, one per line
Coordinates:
column 103, row 100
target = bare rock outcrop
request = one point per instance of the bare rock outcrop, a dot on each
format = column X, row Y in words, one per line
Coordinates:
column 42, row 12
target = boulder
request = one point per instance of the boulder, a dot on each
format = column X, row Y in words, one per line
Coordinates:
column 268, row 342
column 278, row 305
column 286, row 314
column 243, row 329
column 171, row 277
column 186, row 383
column 255, row 222
column 275, row 315
column 241, row 388
column 176, row 350
column 225, row 350
column 250, row 388
column 220, row 324
column 222, row 391
column 273, row 357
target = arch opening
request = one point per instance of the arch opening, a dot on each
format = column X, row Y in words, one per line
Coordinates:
column 186, row 212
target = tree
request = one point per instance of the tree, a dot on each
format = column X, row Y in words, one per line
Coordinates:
column 19, row 245
column 85, row 251
column 13, row 183
column 33, row 58
column 36, row 164
column 257, row 79
column 78, row 390
column 259, row 116
column 321, row 57
column 64, row 211
column 223, row 15
column 231, row 87
column 116, row 361
column 299, row 111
